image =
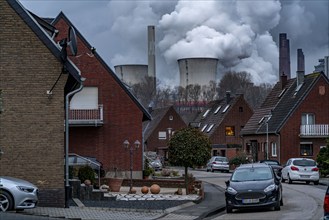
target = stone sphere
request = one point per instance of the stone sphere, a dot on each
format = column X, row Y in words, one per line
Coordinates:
column 145, row 190
column 155, row 189
column 133, row 191
column 87, row 182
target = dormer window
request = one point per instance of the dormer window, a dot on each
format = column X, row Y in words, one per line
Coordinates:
column 225, row 109
column 217, row 109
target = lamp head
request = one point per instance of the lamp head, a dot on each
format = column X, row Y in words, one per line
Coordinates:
column 137, row 143
column 126, row 143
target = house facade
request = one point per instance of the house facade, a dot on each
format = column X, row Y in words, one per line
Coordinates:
column 222, row 121
column 33, row 83
column 104, row 114
column 157, row 133
column 293, row 120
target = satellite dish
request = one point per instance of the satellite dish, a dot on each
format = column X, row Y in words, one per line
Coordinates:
column 72, row 41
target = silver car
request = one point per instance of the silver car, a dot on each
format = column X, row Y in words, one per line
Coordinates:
column 17, row 194
column 300, row 169
column 218, row 163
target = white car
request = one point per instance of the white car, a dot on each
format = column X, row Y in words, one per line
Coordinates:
column 218, row 163
column 300, row 169
column 17, row 194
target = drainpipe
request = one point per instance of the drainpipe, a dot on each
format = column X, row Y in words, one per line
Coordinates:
column 67, row 184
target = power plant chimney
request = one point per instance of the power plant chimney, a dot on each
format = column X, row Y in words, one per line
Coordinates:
column 300, row 67
column 151, row 53
column 284, row 56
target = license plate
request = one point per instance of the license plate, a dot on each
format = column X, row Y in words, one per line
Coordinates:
column 304, row 176
column 248, row 201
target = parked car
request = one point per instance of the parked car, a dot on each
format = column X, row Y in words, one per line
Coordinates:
column 218, row 163
column 17, row 194
column 253, row 185
column 156, row 164
column 275, row 165
column 326, row 205
column 301, row 169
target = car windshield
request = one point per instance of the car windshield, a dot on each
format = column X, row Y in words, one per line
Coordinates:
column 271, row 162
column 218, row 159
column 252, row 174
column 304, row 163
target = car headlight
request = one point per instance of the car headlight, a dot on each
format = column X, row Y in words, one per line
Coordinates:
column 269, row 188
column 26, row 189
column 230, row 190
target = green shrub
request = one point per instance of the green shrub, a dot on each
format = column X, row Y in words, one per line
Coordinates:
column 239, row 159
column 86, row 173
column 323, row 160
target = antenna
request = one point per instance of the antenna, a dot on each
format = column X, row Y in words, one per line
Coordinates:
column 71, row 41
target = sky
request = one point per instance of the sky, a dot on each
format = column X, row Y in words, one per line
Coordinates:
column 242, row 34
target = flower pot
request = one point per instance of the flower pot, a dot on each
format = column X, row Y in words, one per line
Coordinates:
column 115, row 184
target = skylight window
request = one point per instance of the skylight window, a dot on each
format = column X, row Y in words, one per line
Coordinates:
column 210, row 127
column 206, row 113
column 298, row 88
column 279, row 96
column 217, row 109
column 204, row 127
column 225, row 109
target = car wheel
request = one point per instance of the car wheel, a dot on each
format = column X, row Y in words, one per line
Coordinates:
column 212, row 170
column 229, row 209
column 307, row 182
column 289, row 180
column 6, row 202
column 281, row 202
column 277, row 206
column 207, row 170
column 282, row 179
column 316, row 182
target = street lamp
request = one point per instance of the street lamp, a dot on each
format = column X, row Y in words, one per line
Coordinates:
column 126, row 144
column 268, row 117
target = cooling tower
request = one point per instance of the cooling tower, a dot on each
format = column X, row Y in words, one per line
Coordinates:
column 131, row 74
column 197, row 71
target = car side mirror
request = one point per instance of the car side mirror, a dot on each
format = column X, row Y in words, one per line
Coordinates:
column 227, row 182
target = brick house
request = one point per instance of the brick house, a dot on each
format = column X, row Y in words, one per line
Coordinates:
column 105, row 113
column 222, row 121
column 165, row 121
column 294, row 120
column 31, row 120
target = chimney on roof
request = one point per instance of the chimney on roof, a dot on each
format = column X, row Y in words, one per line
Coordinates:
column 284, row 55
column 228, row 97
column 284, row 80
column 300, row 67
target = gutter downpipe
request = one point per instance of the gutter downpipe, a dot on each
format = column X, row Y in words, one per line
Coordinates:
column 67, row 185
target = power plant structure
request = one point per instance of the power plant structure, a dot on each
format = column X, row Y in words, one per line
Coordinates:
column 197, row 71
column 323, row 66
column 284, row 55
column 131, row 74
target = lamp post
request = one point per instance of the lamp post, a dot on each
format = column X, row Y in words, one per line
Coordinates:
column 126, row 144
column 268, row 117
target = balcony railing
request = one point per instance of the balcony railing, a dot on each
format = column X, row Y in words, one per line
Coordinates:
column 86, row 117
column 317, row 130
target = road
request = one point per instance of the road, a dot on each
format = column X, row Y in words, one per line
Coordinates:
column 301, row 201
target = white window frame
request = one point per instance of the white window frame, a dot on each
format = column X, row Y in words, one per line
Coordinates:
column 204, row 127
column 225, row 109
column 217, row 109
column 162, row 135
column 274, row 149
column 210, row 127
column 206, row 113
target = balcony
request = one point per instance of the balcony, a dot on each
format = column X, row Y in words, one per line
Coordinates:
column 86, row 117
column 314, row 131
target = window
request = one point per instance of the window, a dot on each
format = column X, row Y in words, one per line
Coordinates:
column 162, row 135
column 210, row 127
column 86, row 99
column 229, row 131
column 306, row 149
column 217, row 109
column 308, row 119
column 225, row 109
column 274, row 150
column 171, row 118
column 240, row 109
column 204, row 127
column 206, row 113
column 279, row 96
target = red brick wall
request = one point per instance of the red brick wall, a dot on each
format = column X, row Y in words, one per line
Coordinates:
column 122, row 117
column 153, row 142
column 31, row 125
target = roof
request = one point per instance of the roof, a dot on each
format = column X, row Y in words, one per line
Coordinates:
column 44, row 37
column 157, row 116
column 280, row 104
column 146, row 115
column 213, row 114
